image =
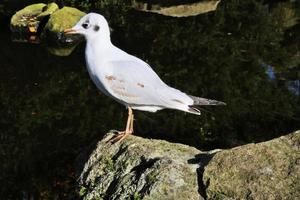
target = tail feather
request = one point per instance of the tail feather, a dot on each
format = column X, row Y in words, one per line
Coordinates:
column 206, row 102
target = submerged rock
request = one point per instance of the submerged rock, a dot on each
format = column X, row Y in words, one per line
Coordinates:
column 140, row 168
column 182, row 10
column 267, row 170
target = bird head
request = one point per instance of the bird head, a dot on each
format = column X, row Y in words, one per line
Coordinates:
column 91, row 25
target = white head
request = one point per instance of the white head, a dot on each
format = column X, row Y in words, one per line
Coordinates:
column 91, row 26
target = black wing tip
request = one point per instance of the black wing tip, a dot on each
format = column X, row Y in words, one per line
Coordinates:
column 211, row 102
column 218, row 103
column 199, row 101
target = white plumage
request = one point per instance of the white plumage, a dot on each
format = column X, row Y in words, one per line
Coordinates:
column 126, row 78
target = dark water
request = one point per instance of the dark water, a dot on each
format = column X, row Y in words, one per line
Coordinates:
column 51, row 111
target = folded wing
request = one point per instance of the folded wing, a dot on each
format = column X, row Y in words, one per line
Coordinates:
column 135, row 83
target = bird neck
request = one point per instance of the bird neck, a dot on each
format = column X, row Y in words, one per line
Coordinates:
column 99, row 43
column 98, row 48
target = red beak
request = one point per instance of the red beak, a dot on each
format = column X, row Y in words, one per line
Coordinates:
column 70, row 31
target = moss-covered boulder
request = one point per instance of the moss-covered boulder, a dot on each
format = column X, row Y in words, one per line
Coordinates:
column 47, row 22
column 268, row 170
column 29, row 18
column 57, row 42
column 64, row 18
column 139, row 168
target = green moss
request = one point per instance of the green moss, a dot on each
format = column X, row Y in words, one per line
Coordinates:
column 28, row 19
column 217, row 196
column 108, row 163
column 34, row 9
column 152, row 176
column 33, row 13
column 262, row 167
column 48, row 10
column 82, row 191
column 137, row 196
column 64, row 18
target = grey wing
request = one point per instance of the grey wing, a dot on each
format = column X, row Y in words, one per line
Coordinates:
column 135, row 83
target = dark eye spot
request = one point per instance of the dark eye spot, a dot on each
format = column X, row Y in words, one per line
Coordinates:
column 85, row 25
column 96, row 28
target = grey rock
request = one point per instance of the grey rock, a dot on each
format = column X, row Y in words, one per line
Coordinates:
column 140, row 168
column 179, row 10
column 267, row 170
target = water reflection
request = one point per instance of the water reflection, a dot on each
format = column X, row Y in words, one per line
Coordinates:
column 59, row 45
column 192, row 54
column 270, row 72
column 294, row 87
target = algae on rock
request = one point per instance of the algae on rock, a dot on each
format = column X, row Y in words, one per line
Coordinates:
column 25, row 25
column 48, row 10
column 267, row 170
column 63, row 18
column 28, row 19
column 155, row 169
column 58, row 43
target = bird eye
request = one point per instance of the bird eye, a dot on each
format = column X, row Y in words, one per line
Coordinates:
column 85, row 25
column 96, row 28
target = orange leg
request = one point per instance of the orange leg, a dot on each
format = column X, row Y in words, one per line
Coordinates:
column 131, row 122
column 129, row 128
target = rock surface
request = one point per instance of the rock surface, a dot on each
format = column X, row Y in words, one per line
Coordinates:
column 64, row 18
column 58, row 43
column 181, row 10
column 140, row 168
column 46, row 22
column 267, row 170
column 29, row 18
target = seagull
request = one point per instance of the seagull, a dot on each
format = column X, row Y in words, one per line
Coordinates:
column 126, row 78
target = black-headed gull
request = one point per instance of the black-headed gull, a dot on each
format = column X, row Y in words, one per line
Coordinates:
column 126, row 78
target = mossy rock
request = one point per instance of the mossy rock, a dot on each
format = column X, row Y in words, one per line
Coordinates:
column 60, row 20
column 138, row 168
column 27, row 20
column 48, row 10
column 267, row 170
column 64, row 18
